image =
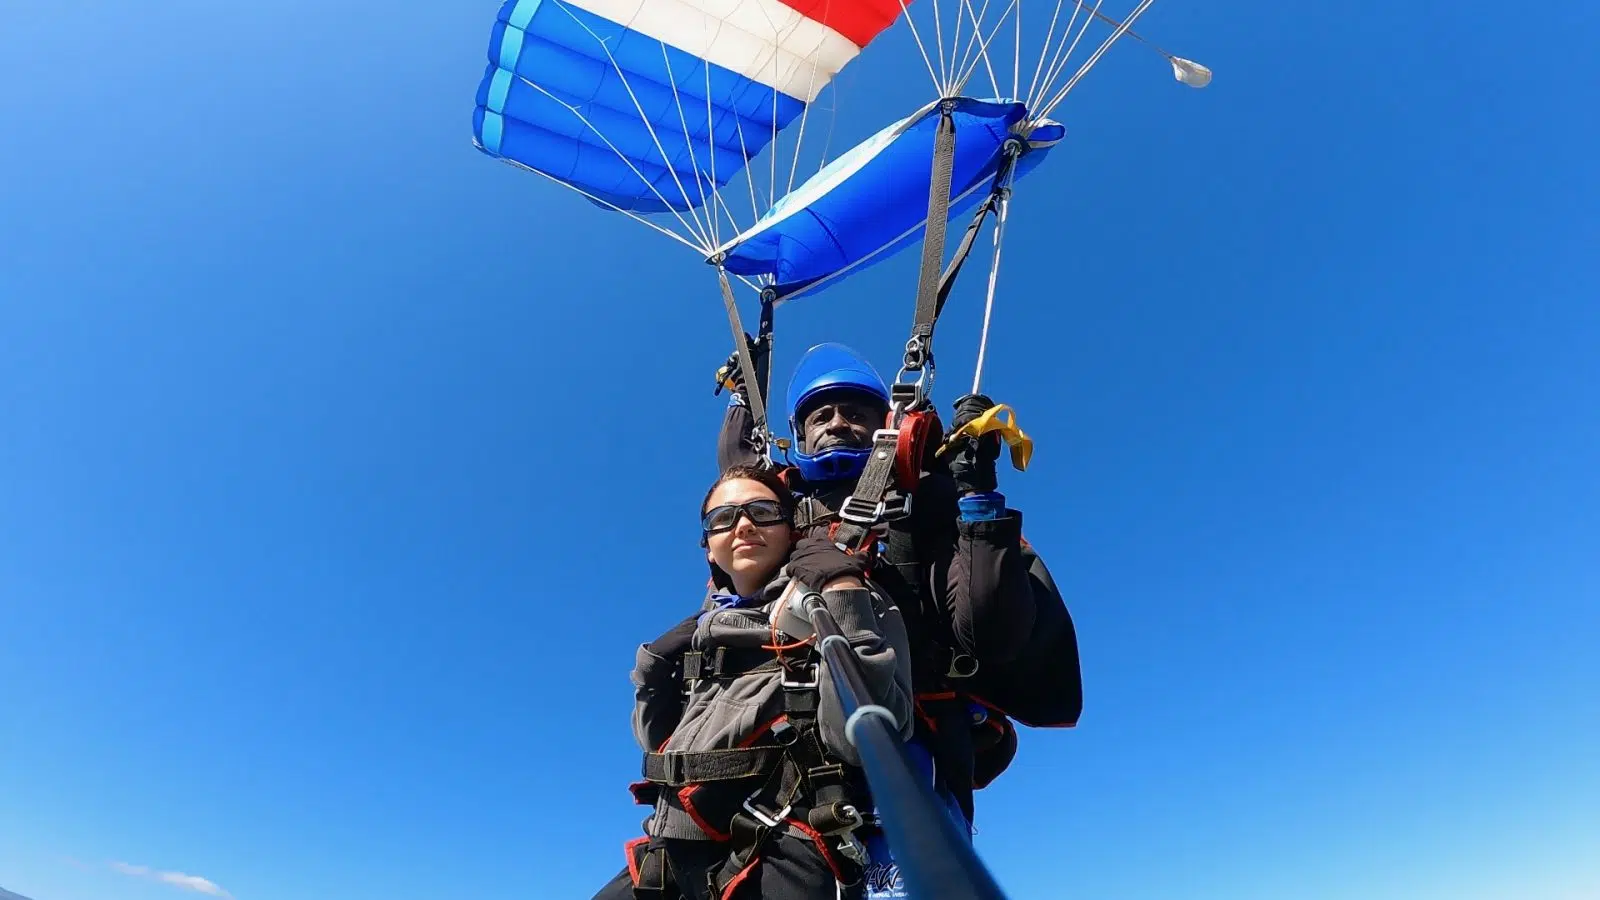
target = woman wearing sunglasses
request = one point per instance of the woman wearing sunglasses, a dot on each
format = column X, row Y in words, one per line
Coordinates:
column 756, row 791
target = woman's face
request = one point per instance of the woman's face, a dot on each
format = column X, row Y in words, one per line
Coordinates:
column 748, row 552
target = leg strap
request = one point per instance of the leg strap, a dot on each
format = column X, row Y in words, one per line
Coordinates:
column 749, row 839
column 649, row 869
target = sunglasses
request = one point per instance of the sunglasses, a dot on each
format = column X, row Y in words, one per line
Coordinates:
column 760, row 512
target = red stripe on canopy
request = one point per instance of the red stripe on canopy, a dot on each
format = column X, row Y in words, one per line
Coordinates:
column 858, row 20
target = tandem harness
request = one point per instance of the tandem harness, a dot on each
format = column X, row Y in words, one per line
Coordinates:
column 784, row 778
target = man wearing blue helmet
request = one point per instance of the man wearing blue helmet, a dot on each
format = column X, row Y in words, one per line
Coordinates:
column 984, row 618
column 836, row 400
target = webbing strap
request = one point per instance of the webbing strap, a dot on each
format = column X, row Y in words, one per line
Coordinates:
column 998, row 187
column 810, row 512
column 648, row 869
column 763, row 356
column 748, row 838
column 727, row 662
column 919, row 350
column 863, row 509
column 679, row 769
column 747, row 367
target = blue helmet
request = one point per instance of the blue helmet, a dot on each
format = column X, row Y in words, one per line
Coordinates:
column 823, row 368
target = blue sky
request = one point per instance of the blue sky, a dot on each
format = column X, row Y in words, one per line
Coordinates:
column 327, row 539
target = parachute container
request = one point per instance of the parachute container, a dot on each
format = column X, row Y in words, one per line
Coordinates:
column 872, row 201
column 652, row 105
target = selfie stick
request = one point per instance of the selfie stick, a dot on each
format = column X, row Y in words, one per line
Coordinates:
column 935, row 858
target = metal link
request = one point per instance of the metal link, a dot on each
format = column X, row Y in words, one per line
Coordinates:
column 771, row 821
column 850, row 511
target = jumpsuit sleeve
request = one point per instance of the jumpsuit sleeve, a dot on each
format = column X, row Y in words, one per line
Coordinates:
column 733, row 442
column 875, row 632
column 658, row 699
column 978, row 575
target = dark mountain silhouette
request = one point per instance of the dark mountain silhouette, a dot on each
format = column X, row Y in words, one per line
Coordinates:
column 8, row 895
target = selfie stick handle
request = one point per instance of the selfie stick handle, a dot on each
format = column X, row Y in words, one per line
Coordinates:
column 935, row 858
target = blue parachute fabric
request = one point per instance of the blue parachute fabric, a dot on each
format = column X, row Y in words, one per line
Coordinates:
column 576, row 96
column 872, row 202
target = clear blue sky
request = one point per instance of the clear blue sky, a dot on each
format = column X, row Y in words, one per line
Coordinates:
column 343, row 467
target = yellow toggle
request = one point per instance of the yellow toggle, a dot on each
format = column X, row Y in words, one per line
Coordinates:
column 1021, row 445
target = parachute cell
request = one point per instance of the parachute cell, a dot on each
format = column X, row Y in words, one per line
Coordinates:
column 652, row 105
column 872, row 201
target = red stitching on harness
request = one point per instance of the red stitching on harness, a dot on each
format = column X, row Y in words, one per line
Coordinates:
column 763, row 730
column 822, row 847
column 738, row 879
column 685, row 795
column 633, row 864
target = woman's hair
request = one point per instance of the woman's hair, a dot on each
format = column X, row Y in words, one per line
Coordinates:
column 764, row 476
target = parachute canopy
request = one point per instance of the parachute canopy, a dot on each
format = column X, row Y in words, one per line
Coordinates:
column 652, row 105
column 872, row 202
column 653, row 108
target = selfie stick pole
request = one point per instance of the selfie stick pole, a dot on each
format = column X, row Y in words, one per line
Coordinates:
column 935, row 858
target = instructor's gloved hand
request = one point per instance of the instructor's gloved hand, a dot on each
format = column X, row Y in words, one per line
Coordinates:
column 731, row 375
column 817, row 561
column 973, row 464
column 675, row 643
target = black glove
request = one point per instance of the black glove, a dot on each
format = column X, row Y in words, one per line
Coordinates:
column 817, row 561
column 675, row 643
column 972, row 465
column 731, row 375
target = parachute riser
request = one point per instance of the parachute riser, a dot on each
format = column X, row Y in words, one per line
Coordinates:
column 918, row 359
column 919, row 353
column 763, row 367
column 754, row 374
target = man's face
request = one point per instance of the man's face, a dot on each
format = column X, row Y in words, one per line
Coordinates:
column 841, row 419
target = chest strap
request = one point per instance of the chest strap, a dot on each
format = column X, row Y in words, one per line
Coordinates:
column 703, row 766
column 726, row 663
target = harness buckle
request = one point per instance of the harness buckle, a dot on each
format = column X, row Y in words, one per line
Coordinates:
column 887, row 434
column 771, row 821
column 851, row 848
column 789, row 684
column 908, row 396
column 861, row 512
column 896, row 506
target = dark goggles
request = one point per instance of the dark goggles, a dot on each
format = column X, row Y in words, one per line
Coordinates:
column 760, row 512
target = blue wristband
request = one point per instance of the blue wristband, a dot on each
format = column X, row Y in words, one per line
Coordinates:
column 983, row 507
